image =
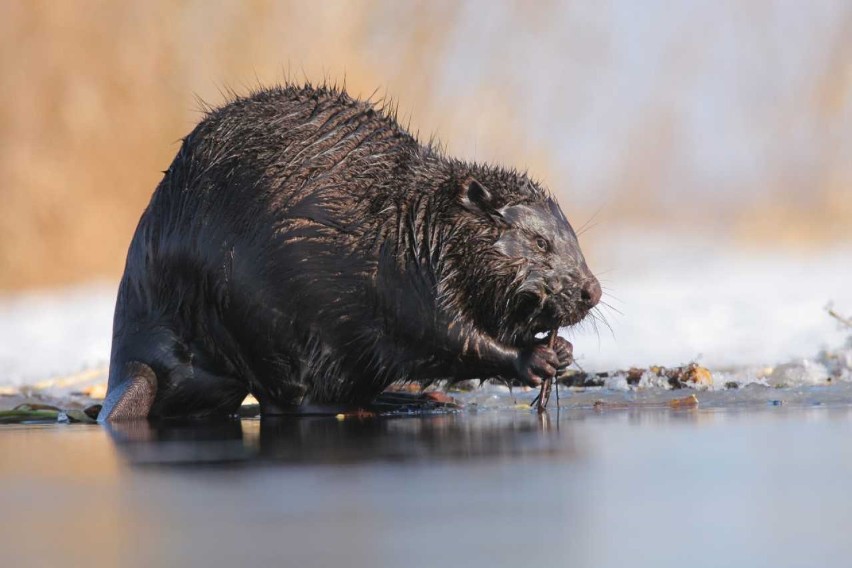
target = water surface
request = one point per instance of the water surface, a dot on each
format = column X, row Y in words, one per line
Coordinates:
column 764, row 486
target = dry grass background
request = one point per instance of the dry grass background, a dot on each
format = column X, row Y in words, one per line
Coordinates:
column 617, row 108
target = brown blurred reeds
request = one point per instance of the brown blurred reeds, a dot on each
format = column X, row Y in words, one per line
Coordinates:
column 95, row 95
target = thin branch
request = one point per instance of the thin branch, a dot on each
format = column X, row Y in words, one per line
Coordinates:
column 844, row 320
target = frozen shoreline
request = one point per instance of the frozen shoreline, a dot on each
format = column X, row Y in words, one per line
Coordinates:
column 680, row 300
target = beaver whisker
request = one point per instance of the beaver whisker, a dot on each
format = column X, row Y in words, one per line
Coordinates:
column 599, row 314
column 607, row 305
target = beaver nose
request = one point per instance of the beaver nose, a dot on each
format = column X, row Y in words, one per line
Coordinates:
column 590, row 293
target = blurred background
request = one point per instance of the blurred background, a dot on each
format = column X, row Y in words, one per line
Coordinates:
column 707, row 145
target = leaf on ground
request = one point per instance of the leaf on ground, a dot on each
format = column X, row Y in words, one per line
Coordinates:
column 21, row 416
column 27, row 406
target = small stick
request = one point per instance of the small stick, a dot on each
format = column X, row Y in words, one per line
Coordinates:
column 544, row 394
column 841, row 319
column 556, row 388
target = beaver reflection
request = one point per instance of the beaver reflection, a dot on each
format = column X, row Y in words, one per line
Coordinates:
column 326, row 440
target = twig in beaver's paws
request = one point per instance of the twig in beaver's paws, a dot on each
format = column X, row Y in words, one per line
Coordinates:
column 543, row 397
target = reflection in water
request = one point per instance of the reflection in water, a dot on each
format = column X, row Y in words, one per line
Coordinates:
column 315, row 440
column 486, row 488
column 490, row 434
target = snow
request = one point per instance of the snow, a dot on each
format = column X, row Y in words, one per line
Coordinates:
column 801, row 372
column 59, row 332
column 681, row 299
column 690, row 299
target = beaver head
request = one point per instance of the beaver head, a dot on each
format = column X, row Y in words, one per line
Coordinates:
column 525, row 273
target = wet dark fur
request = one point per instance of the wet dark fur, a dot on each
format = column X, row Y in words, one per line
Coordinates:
column 302, row 246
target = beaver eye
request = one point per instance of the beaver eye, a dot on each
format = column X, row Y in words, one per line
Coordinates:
column 542, row 244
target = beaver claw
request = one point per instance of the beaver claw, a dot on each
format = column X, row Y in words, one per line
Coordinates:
column 564, row 351
column 536, row 364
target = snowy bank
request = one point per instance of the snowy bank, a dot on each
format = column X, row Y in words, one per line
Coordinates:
column 680, row 300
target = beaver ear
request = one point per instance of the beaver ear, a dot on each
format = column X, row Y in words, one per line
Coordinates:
column 475, row 197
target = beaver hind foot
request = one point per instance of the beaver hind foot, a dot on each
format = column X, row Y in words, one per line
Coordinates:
column 135, row 396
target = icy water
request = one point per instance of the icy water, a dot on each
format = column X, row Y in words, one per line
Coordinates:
column 765, row 483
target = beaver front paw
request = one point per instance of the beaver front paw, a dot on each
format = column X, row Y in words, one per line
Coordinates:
column 564, row 351
column 536, row 364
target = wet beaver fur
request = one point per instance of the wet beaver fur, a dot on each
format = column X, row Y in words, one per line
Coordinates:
column 304, row 248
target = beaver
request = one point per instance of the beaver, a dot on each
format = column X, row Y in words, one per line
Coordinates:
column 304, row 248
